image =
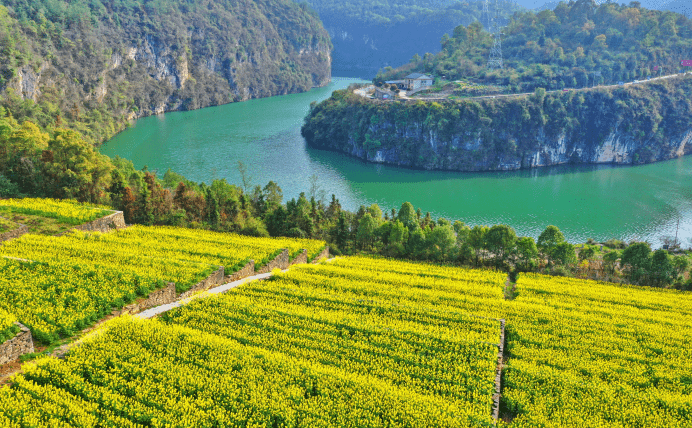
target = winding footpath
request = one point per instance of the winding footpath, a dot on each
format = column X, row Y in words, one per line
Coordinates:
column 158, row 310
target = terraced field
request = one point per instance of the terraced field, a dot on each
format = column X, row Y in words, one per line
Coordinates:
column 50, row 216
column 58, row 285
column 373, row 342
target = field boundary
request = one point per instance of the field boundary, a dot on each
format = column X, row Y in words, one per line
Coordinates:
column 22, row 343
column 166, row 298
column 14, row 233
column 498, row 372
column 115, row 220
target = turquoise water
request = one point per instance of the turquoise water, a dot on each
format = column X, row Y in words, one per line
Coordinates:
column 600, row 202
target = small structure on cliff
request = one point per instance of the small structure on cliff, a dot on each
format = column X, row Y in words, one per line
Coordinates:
column 417, row 80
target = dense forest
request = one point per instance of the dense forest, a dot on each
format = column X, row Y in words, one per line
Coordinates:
column 577, row 44
column 93, row 65
column 369, row 36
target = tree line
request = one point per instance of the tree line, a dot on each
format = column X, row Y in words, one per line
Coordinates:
column 61, row 164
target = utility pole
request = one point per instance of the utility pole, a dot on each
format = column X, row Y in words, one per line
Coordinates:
column 675, row 243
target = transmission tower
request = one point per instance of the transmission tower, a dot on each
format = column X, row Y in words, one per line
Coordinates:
column 486, row 15
column 495, row 60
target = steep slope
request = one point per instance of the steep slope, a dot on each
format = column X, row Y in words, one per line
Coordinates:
column 628, row 125
column 92, row 65
column 369, row 36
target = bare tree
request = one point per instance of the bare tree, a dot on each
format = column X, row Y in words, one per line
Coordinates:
column 246, row 179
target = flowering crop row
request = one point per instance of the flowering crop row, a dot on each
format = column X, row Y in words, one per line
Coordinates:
column 175, row 255
column 374, row 342
column 7, row 325
column 144, row 373
column 80, row 276
column 66, row 211
column 56, row 300
column 397, row 327
column 598, row 355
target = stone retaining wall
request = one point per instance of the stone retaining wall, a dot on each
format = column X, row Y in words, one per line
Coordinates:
column 19, row 345
column 322, row 255
column 215, row 278
column 104, row 224
column 16, row 233
column 156, row 298
column 280, row 262
column 301, row 258
column 247, row 270
column 498, row 372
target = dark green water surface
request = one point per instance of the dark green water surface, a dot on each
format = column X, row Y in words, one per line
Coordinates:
column 601, row 202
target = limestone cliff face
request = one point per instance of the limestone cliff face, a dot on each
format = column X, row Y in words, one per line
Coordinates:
column 622, row 126
column 460, row 152
column 190, row 55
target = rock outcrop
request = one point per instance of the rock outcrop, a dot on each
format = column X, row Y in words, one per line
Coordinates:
column 176, row 55
column 621, row 126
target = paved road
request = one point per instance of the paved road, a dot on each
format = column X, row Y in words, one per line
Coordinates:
column 363, row 91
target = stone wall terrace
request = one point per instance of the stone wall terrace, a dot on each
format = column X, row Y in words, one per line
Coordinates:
column 215, row 278
column 280, row 262
column 19, row 345
column 103, row 224
column 324, row 254
column 247, row 270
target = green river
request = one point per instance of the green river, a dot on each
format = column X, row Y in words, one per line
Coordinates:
column 600, row 202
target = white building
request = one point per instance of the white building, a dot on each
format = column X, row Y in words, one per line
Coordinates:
column 417, row 80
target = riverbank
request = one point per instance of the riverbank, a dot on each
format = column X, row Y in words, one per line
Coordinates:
column 621, row 125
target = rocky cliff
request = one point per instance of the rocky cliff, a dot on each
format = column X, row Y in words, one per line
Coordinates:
column 625, row 126
column 95, row 65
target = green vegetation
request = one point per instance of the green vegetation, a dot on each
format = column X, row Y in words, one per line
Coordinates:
column 578, row 44
column 7, row 225
column 65, row 211
column 8, row 328
column 509, row 132
column 369, row 35
column 92, row 65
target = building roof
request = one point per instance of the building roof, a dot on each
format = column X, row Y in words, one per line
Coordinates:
column 418, row 76
column 389, row 82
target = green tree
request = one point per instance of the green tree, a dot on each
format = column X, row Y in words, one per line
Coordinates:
column 680, row 265
column 500, row 241
column 609, row 261
column 636, row 260
column 417, row 245
column 661, row 271
column 587, row 252
column 462, row 231
column 366, row 231
column 476, row 240
column 549, row 239
column 441, row 243
column 212, row 210
column 526, row 254
column 563, row 254
column 407, row 215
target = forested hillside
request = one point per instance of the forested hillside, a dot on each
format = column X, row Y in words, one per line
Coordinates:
column 631, row 124
column 369, row 36
column 575, row 45
column 92, row 65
